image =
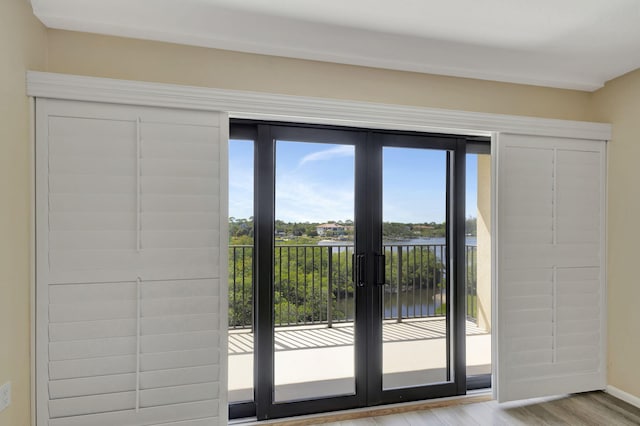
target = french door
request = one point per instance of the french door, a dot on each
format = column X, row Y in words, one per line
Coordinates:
column 358, row 268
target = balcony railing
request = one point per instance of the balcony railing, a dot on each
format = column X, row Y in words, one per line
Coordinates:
column 313, row 283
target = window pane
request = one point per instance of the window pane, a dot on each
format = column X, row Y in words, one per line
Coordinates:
column 240, row 270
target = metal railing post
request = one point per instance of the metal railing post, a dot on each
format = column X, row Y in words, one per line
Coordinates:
column 330, row 287
column 398, row 298
column 234, row 302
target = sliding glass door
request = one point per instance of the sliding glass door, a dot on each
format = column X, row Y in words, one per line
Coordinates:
column 358, row 265
column 417, row 257
column 313, row 299
column 310, row 314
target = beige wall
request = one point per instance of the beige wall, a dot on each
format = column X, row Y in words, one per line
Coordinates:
column 95, row 55
column 22, row 47
column 484, row 242
column 619, row 103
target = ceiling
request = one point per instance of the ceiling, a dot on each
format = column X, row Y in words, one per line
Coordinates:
column 574, row 44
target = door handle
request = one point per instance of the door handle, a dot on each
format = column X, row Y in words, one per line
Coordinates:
column 381, row 273
column 358, row 269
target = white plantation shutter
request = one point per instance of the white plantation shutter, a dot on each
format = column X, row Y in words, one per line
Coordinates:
column 131, row 265
column 550, row 275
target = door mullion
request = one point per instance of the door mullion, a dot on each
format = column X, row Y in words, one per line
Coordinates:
column 263, row 290
column 459, row 317
column 371, row 191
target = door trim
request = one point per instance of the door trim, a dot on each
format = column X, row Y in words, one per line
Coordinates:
column 304, row 109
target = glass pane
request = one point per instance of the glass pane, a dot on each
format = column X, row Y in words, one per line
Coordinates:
column 240, row 271
column 415, row 322
column 313, row 290
column 478, row 254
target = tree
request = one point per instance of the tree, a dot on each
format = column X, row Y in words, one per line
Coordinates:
column 240, row 286
column 302, row 287
column 396, row 230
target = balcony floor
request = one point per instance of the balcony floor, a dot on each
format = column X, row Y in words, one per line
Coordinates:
column 314, row 360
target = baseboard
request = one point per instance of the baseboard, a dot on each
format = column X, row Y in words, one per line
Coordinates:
column 625, row 396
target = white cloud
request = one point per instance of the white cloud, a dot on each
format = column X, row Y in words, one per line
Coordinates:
column 328, row 154
column 302, row 201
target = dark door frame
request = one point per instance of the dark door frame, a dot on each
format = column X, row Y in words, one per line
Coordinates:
column 368, row 213
column 455, row 264
column 265, row 160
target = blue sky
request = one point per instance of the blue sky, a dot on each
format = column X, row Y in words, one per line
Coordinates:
column 314, row 183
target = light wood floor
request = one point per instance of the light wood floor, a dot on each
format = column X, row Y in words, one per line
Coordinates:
column 592, row 409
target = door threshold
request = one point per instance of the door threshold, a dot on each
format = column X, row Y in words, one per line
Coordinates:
column 482, row 395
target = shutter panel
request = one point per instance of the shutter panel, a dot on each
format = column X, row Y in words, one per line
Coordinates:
column 131, row 308
column 550, row 274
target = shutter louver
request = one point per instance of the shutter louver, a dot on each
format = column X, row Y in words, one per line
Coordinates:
column 180, row 183
column 131, row 304
column 550, row 263
column 92, row 198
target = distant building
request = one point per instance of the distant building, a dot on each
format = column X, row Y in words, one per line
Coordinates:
column 422, row 227
column 330, row 228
